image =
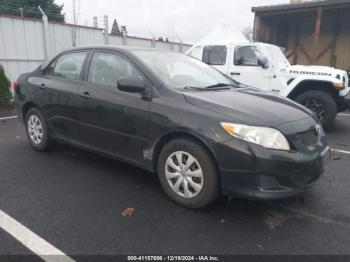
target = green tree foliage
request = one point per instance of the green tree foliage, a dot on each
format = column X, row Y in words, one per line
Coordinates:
column 5, row 85
column 115, row 28
column 29, row 8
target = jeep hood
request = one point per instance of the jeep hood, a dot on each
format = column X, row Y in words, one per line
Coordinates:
column 323, row 71
column 248, row 106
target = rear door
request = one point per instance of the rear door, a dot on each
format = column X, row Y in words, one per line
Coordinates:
column 216, row 56
column 113, row 121
column 61, row 83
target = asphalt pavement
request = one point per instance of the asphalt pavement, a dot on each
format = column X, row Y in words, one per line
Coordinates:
column 74, row 200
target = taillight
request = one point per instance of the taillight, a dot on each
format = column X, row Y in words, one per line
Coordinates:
column 14, row 85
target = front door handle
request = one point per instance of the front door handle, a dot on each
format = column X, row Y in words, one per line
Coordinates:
column 235, row 73
column 85, row 94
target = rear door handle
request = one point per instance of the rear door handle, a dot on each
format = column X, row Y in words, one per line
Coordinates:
column 85, row 94
column 235, row 73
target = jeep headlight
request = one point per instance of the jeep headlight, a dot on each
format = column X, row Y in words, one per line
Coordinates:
column 264, row 136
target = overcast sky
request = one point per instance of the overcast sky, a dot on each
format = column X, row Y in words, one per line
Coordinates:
column 189, row 19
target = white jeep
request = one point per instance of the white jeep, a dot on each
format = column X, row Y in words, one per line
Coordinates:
column 264, row 66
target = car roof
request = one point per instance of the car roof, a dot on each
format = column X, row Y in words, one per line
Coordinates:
column 129, row 49
column 122, row 49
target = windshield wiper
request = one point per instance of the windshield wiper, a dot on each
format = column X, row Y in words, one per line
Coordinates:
column 219, row 86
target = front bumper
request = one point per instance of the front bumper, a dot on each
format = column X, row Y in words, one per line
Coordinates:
column 343, row 103
column 263, row 174
column 347, row 101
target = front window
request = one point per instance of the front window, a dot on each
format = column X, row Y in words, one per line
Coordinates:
column 179, row 70
column 246, row 56
column 107, row 68
column 214, row 55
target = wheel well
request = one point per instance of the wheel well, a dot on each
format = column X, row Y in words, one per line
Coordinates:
column 178, row 135
column 314, row 86
column 26, row 107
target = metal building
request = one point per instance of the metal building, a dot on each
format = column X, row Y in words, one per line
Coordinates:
column 312, row 32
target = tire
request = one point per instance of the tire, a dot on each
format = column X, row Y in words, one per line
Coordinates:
column 321, row 103
column 37, row 130
column 202, row 162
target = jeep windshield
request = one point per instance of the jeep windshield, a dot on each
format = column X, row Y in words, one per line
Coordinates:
column 276, row 56
column 179, row 71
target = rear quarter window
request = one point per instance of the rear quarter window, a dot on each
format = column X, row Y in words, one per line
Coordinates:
column 67, row 66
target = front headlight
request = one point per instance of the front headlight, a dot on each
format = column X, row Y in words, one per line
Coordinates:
column 264, row 136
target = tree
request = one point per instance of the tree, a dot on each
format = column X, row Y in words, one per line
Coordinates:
column 248, row 33
column 5, row 85
column 29, row 8
column 115, row 28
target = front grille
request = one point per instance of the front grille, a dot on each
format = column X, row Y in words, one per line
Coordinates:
column 308, row 138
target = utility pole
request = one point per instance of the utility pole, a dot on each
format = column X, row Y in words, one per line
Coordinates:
column 153, row 43
column 46, row 32
column 21, row 11
column 180, row 44
column 105, row 21
column 95, row 21
column 76, row 14
column 125, row 35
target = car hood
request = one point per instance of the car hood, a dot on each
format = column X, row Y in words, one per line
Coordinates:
column 250, row 107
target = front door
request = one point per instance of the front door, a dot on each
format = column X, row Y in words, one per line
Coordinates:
column 113, row 121
column 246, row 69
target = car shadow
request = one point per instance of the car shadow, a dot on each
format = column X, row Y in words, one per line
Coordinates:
column 273, row 213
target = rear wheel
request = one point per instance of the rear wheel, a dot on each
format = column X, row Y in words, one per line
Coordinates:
column 322, row 104
column 188, row 174
column 37, row 130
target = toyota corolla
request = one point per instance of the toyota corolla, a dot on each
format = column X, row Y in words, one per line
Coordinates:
column 201, row 132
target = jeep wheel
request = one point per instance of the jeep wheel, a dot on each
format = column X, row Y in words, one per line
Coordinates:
column 322, row 104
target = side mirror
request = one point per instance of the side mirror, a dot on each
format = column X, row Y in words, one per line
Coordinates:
column 263, row 62
column 131, row 85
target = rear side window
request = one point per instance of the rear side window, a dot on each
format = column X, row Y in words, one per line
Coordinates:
column 214, row 55
column 68, row 66
column 246, row 56
column 107, row 68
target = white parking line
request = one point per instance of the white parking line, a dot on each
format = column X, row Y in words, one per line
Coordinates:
column 9, row 117
column 31, row 240
column 347, row 115
column 341, row 151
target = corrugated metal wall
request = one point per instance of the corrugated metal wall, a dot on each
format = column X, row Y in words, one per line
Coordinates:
column 22, row 42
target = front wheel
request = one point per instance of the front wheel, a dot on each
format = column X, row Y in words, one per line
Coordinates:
column 188, row 174
column 322, row 104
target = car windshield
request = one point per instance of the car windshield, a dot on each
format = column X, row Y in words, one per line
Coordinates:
column 180, row 71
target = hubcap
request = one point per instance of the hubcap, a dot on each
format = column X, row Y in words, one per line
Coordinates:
column 184, row 174
column 316, row 107
column 35, row 129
